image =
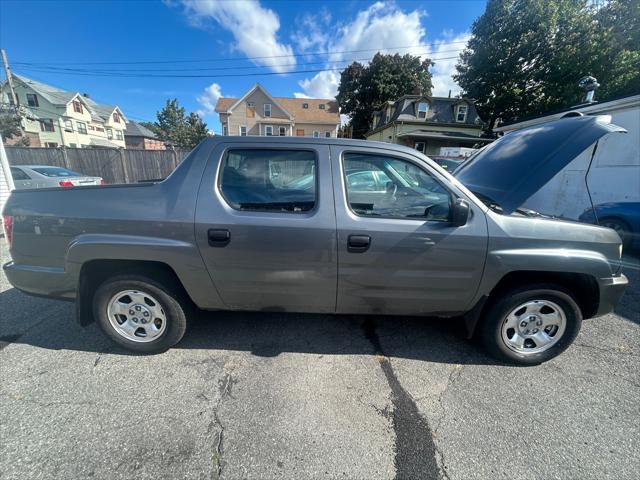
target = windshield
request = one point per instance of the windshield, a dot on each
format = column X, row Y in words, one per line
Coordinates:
column 55, row 172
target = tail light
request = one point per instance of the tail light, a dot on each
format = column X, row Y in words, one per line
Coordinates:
column 65, row 183
column 7, row 223
column 102, row 182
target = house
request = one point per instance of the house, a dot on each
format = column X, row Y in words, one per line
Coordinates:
column 140, row 137
column 258, row 113
column 604, row 173
column 428, row 123
column 52, row 117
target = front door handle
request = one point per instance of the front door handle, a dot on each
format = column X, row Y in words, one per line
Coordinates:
column 218, row 237
column 358, row 243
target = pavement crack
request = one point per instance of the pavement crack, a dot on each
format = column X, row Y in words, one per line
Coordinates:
column 218, row 449
column 415, row 449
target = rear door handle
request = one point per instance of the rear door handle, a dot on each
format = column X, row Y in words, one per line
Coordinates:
column 218, row 237
column 358, row 243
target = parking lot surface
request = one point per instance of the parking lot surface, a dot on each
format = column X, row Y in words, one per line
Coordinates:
column 274, row 395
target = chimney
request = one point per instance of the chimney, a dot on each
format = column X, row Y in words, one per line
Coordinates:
column 589, row 84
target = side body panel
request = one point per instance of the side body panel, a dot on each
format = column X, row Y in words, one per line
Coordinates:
column 412, row 267
column 273, row 261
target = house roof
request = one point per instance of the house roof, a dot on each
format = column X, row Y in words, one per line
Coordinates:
column 57, row 96
column 293, row 106
column 134, row 129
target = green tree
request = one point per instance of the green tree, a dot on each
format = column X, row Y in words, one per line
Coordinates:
column 10, row 128
column 526, row 56
column 174, row 126
column 363, row 88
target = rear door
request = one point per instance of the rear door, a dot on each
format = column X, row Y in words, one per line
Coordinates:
column 397, row 251
column 266, row 228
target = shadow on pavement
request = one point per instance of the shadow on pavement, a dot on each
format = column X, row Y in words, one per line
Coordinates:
column 265, row 334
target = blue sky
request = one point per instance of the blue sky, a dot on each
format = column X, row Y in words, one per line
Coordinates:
column 212, row 39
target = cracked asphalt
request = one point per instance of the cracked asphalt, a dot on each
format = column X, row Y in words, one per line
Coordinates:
column 261, row 396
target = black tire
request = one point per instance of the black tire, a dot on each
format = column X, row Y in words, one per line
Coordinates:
column 490, row 331
column 621, row 227
column 170, row 299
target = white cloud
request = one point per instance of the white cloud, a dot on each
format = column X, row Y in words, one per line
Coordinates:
column 253, row 27
column 382, row 26
column 208, row 99
column 444, row 69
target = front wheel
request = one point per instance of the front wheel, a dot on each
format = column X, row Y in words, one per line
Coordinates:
column 531, row 325
column 140, row 313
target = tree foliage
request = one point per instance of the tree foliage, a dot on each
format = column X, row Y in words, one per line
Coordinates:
column 175, row 126
column 10, row 128
column 526, row 56
column 363, row 88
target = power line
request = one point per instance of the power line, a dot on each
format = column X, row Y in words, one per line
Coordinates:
column 221, row 59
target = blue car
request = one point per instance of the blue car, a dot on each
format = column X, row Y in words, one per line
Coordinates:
column 623, row 217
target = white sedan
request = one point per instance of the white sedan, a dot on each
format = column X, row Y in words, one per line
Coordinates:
column 46, row 176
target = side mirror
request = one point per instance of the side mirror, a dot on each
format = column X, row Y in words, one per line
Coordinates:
column 459, row 213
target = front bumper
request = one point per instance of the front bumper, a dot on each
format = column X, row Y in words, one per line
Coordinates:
column 49, row 282
column 611, row 291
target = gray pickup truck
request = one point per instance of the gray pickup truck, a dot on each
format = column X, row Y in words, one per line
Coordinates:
column 327, row 225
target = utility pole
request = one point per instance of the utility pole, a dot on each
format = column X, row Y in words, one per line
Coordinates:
column 7, row 72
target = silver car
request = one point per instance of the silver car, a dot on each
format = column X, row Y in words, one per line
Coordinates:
column 46, row 176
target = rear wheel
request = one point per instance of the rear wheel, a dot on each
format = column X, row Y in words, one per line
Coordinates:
column 139, row 313
column 531, row 325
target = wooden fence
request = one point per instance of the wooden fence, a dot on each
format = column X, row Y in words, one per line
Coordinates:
column 115, row 165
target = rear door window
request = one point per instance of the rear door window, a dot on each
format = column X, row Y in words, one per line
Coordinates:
column 269, row 180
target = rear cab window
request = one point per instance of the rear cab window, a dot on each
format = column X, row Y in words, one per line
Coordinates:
column 269, row 180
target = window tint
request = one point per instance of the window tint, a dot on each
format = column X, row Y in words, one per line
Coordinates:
column 18, row 174
column 55, row 172
column 381, row 186
column 269, row 180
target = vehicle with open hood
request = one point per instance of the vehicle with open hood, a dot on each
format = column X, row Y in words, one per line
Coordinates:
column 327, row 226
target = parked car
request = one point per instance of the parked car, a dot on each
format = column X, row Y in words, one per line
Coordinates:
column 623, row 217
column 230, row 229
column 45, row 176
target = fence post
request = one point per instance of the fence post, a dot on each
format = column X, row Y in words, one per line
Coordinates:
column 65, row 158
column 125, row 170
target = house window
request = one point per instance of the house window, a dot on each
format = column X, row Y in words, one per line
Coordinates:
column 268, row 130
column 321, row 106
column 243, row 130
column 77, row 106
column 82, row 127
column 68, row 126
column 91, row 128
column 73, row 145
column 305, row 105
column 119, row 135
column 251, row 110
column 316, row 134
column 327, row 134
column 46, row 125
column 423, row 108
column 461, row 113
column 32, row 100
column 109, row 133
column 116, row 117
column 420, row 146
column 225, row 129
column 99, row 129
column 282, row 131
column 267, row 109
column 51, row 145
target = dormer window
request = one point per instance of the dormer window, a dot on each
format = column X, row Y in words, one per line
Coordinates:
column 305, row 105
column 77, row 106
column 267, row 110
column 116, row 117
column 321, row 106
column 423, row 108
column 461, row 113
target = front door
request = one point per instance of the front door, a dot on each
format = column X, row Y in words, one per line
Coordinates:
column 265, row 226
column 397, row 251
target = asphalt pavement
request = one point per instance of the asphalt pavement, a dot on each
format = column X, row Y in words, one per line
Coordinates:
column 275, row 395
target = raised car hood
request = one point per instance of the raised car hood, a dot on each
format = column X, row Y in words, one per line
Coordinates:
column 514, row 167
